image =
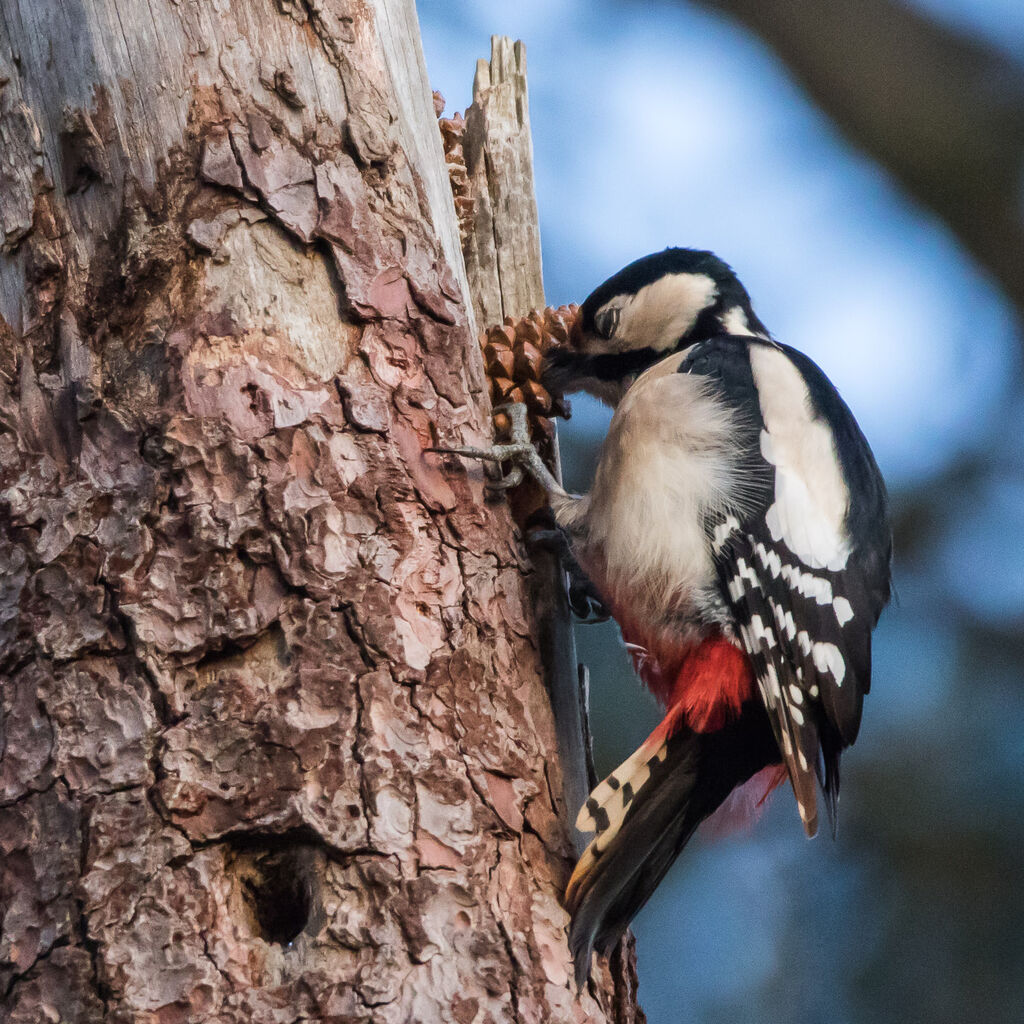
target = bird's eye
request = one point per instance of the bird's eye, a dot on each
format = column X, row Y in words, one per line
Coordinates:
column 606, row 321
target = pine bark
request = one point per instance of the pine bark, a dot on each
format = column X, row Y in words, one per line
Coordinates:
column 274, row 739
column 503, row 265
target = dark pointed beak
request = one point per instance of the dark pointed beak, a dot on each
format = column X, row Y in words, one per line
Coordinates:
column 559, row 370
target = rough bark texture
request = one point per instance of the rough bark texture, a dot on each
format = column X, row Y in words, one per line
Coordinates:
column 274, row 742
column 503, row 261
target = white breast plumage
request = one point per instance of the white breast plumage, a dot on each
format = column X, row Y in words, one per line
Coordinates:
column 667, row 465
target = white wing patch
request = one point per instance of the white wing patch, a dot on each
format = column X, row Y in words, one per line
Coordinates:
column 811, row 496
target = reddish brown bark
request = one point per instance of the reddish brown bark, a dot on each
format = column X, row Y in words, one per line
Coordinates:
column 274, row 744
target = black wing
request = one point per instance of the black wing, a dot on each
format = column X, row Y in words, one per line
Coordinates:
column 805, row 567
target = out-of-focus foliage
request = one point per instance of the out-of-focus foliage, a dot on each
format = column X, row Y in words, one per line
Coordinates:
column 661, row 124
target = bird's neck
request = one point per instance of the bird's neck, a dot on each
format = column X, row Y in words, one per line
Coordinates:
column 732, row 318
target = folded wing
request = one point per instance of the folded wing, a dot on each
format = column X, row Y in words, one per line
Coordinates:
column 804, row 565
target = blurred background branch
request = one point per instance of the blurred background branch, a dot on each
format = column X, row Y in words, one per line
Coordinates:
column 943, row 113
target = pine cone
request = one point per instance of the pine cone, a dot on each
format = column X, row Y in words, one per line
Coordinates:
column 513, row 352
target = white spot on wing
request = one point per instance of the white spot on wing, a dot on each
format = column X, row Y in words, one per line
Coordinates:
column 747, row 573
column 844, row 612
column 769, row 559
column 816, row 587
column 828, row 658
column 722, row 533
column 761, row 632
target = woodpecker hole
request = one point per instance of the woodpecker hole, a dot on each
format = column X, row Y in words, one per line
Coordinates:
column 273, row 892
column 281, row 905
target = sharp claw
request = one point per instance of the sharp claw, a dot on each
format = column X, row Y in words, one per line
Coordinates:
column 518, row 450
column 513, row 478
column 499, row 453
column 494, row 456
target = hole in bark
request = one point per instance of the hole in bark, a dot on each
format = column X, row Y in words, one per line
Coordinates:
column 269, row 648
column 225, row 652
column 280, row 901
column 273, row 891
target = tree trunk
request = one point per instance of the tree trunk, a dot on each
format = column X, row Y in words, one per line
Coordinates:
column 275, row 743
column 503, row 263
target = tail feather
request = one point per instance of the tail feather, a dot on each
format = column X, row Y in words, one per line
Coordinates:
column 828, row 774
column 610, row 801
column 610, row 885
column 623, row 865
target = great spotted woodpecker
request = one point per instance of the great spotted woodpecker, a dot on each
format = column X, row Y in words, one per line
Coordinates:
column 738, row 529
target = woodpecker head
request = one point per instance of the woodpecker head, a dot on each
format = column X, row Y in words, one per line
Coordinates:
column 658, row 305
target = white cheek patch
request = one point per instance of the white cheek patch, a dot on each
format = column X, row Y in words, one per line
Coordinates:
column 660, row 313
column 811, row 496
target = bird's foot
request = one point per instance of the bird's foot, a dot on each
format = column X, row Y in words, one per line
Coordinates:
column 585, row 599
column 518, row 450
